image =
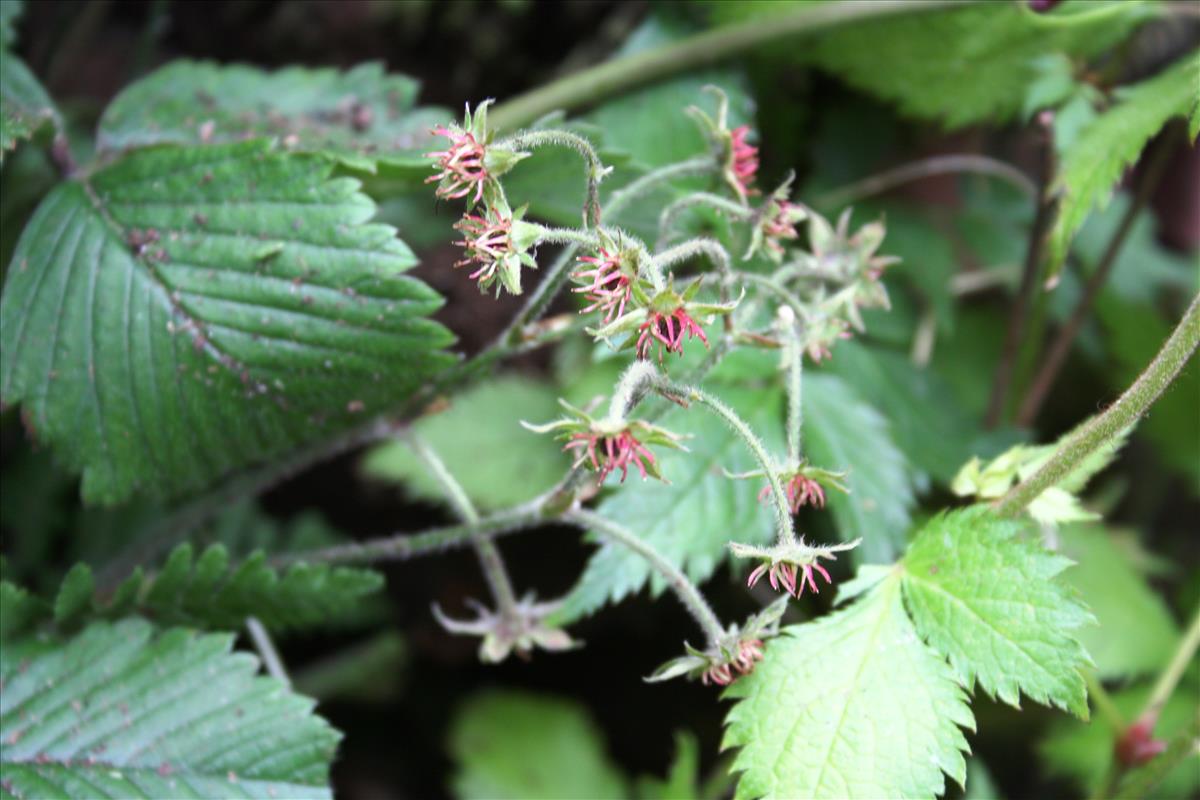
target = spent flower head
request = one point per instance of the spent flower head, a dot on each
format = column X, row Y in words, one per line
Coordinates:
column 608, row 277
column 610, row 444
column 470, row 160
column 790, row 565
column 667, row 318
column 803, row 483
column 522, row 632
column 497, row 244
column 733, row 655
column 774, row 223
column 737, row 157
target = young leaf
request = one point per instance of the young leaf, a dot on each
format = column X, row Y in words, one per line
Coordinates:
column 983, row 594
column 838, row 428
column 186, row 312
column 1136, row 635
column 118, row 712
column 359, row 116
column 482, row 443
column 852, row 705
column 517, row 746
column 1091, row 169
column 207, row 592
column 25, row 108
column 690, row 520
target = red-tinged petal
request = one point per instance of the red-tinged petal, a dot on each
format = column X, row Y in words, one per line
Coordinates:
column 758, row 572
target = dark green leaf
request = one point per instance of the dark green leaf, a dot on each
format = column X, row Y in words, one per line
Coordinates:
column 25, row 108
column 117, row 712
column 190, row 311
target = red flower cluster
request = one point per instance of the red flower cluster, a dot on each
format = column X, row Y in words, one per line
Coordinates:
column 780, row 225
column 749, row 651
column 785, row 573
column 669, row 330
column 609, row 453
column 610, row 289
column 745, row 159
column 800, row 490
column 486, row 242
column 462, row 166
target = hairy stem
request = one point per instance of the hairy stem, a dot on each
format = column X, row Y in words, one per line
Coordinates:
column 1018, row 317
column 776, row 288
column 683, row 588
column 1128, row 408
column 1186, row 744
column 1057, row 355
column 614, row 77
column 928, row 168
column 489, row 555
column 795, row 368
column 666, row 220
column 592, row 164
column 635, row 382
column 783, row 514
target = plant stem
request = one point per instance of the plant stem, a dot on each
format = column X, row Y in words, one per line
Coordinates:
column 928, row 168
column 568, row 236
column 1061, row 348
column 637, row 379
column 783, row 513
column 666, row 219
column 775, row 288
column 266, row 650
column 614, row 77
column 795, row 369
column 1128, row 408
column 1170, row 676
column 1104, row 703
column 683, row 588
column 489, row 555
column 690, row 249
column 592, row 164
column 1018, row 316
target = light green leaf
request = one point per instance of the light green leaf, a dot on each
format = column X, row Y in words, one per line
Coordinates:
column 359, row 116
column 980, row 785
column 1137, row 634
column 157, row 345
column 482, row 443
column 1092, row 168
column 841, row 431
column 691, row 520
column 852, row 705
column 519, row 746
column 1083, row 752
column 118, row 712
column 984, row 595
column 25, row 108
column 961, row 65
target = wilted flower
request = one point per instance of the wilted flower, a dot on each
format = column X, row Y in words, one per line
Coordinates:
column 1137, row 744
column 609, row 280
column 610, row 444
column 743, row 161
column 734, row 655
column 668, row 330
column 497, row 243
column 469, row 161
column 775, row 223
column 802, row 483
column 522, row 632
column 738, row 158
column 792, row 565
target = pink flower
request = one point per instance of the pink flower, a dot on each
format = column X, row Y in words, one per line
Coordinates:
column 744, row 160
column 610, row 289
column 720, row 674
column 462, row 167
column 749, row 651
column 609, row 453
column 668, row 329
column 781, row 225
column 800, row 490
column 785, row 573
column 486, row 242
column 1137, row 744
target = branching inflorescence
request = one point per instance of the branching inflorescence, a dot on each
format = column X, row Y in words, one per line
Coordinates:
column 643, row 301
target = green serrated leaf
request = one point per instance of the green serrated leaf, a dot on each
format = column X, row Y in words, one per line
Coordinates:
column 1083, row 752
column 839, row 426
column 691, row 520
column 984, row 595
column 1092, row 168
column 482, row 443
column 74, row 596
column 359, row 116
column 25, row 108
column 519, row 746
column 155, row 353
column 18, row 610
column 852, row 705
column 117, row 712
column 958, row 65
column 1136, row 635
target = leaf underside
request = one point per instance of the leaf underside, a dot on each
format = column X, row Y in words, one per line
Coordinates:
column 190, row 311
column 118, row 712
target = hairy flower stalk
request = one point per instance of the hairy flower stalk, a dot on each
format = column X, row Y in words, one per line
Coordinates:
column 596, row 171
